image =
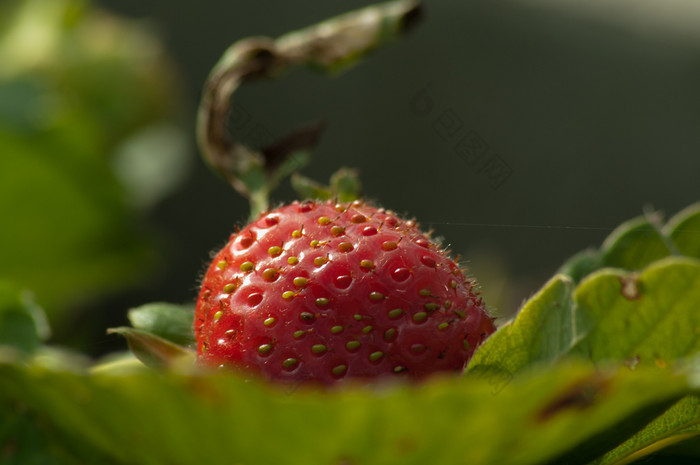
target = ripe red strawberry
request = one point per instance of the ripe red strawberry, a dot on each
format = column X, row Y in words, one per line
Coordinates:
column 325, row 291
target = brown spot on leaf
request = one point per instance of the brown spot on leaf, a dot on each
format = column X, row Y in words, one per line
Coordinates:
column 578, row 396
column 630, row 287
column 632, row 362
column 406, row 444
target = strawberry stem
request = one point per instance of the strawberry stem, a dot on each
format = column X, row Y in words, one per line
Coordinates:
column 331, row 46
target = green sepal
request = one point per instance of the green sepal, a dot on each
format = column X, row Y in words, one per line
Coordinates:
column 152, row 350
column 170, row 321
column 344, row 186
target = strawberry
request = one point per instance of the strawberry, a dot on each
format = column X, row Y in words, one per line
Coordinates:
column 324, row 291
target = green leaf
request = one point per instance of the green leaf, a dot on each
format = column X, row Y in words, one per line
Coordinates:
column 152, row 350
column 634, row 245
column 582, row 264
column 647, row 319
column 650, row 318
column 679, row 423
column 545, row 329
column 169, row 321
column 22, row 323
column 563, row 415
column 684, row 231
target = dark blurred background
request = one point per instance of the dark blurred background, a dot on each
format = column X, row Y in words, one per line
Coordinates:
column 593, row 112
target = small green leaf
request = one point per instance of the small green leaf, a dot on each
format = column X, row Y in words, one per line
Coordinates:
column 169, row 321
column 153, row 350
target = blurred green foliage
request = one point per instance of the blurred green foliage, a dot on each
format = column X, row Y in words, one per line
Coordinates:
column 548, row 407
column 87, row 135
column 23, row 325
